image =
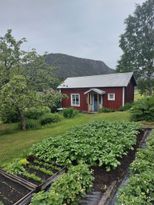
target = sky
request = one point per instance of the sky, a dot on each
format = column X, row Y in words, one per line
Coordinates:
column 83, row 28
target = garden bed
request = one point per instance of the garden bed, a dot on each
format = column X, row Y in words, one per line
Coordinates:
column 108, row 148
column 47, row 172
column 18, row 189
column 107, row 183
column 13, row 190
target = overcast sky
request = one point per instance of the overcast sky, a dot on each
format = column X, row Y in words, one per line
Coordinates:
column 82, row 28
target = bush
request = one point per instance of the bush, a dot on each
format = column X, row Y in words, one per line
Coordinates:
column 70, row 113
column 104, row 109
column 127, row 106
column 143, row 109
column 50, row 118
column 36, row 112
column 31, row 124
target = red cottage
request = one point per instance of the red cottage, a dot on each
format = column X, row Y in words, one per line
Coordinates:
column 90, row 93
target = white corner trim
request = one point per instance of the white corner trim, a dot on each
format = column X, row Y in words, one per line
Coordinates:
column 123, row 96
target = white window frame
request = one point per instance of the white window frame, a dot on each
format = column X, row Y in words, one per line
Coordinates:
column 72, row 104
column 109, row 96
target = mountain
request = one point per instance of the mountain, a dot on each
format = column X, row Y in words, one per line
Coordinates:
column 70, row 66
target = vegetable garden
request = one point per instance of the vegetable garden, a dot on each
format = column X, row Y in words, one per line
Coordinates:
column 95, row 155
column 140, row 186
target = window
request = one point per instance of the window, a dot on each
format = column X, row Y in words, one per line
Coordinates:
column 111, row 96
column 75, row 100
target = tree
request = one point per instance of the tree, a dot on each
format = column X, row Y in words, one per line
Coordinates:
column 10, row 56
column 38, row 73
column 15, row 61
column 137, row 44
column 52, row 99
column 16, row 95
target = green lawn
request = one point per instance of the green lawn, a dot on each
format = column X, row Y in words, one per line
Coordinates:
column 14, row 143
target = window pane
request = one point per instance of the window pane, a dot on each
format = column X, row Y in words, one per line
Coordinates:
column 75, row 99
column 100, row 99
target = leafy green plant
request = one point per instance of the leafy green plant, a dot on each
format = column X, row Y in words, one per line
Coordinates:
column 104, row 109
column 15, row 167
column 68, row 188
column 41, row 169
column 36, row 112
column 18, row 167
column 50, row 118
column 47, row 165
column 127, row 106
column 23, row 162
column 70, row 112
column 143, row 109
column 140, row 187
column 99, row 143
column 32, row 176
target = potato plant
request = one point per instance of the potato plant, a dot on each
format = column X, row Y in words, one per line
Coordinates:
column 68, row 188
column 99, row 143
column 140, row 187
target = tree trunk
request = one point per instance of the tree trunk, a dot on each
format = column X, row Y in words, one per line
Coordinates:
column 22, row 119
column 23, row 122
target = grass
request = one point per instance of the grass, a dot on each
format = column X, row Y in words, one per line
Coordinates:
column 14, row 143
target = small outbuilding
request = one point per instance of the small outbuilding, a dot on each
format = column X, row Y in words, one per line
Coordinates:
column 90, row 93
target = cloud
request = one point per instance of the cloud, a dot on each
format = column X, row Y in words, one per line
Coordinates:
column 84, row 28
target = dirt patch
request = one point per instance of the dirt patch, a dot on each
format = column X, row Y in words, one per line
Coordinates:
column 103, row 179
column 10, row 191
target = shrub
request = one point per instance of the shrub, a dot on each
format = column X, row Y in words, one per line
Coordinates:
column 127, row 106
column 31, row 124
column 143, row 109
column 70, row 113
column 68, row 188
column 50, row 118
column 36, row 112
column 104, row 109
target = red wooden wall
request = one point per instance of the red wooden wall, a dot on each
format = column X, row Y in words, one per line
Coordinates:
column 83, row 98
column 129, row 92
column 118, row 98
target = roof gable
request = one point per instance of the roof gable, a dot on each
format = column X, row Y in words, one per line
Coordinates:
column 107, row 80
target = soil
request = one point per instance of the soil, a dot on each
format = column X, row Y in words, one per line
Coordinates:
column 103, row 178
column 10, row 191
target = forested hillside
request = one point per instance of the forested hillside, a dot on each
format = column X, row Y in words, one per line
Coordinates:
column 70, row 66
